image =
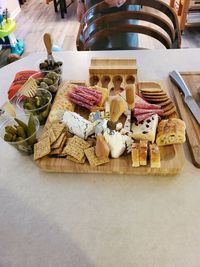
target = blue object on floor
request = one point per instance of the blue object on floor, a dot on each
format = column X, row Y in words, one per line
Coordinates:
column 56, row 48
column 18, row 48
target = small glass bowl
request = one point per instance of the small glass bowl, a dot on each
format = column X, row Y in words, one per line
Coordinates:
column 26, row 146
column 39, row 105
column 48, row 80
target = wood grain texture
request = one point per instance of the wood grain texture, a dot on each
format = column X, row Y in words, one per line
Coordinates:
column 172, row 161
column 36, row 18
column 192, row 80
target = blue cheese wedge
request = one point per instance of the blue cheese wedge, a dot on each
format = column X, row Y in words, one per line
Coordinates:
column 145, row 130
column 78, row 125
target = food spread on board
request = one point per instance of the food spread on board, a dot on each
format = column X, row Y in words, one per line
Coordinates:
column 102, row 121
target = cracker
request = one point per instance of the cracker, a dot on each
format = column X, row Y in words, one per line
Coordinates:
column 164, row 103
column 169, row 112
column 92, row 158
column 58, row 150
column 59, row 141
column 79, row 142
column 156, row 96
column 49, row 133
column 152, row 90
column 153, row 93
column 74, row 151
column 157, row 99
column 57, row 128
column 75, row 147
column 42, row 148
column 168, row 107
column 75, row 160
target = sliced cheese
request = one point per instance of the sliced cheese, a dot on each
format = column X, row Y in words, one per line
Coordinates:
column 145, row 130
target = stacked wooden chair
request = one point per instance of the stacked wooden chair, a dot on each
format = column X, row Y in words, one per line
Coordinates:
column 111, row 28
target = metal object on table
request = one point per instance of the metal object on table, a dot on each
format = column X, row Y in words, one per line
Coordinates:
column 188, row 99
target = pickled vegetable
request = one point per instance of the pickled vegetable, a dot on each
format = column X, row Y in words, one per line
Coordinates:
column 22, row 124
column 31, row 130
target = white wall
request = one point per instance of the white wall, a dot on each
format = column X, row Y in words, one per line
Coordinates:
column 12, row 6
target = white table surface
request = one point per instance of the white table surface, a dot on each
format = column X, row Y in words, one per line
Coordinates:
column 64, row 220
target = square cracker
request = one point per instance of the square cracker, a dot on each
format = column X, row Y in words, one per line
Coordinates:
column 92, row 158
column 74, row 151
column 75, row 160
column 57, row 128
column 77, row 141
column 59, row 141
column 58, row 150
column 49, row 133
column 42, row 148
column 75, row 147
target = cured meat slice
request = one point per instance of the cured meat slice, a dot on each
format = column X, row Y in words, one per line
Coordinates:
column 90, row 91
column 85, row 97
column 139, row 111
column 79, row 102
column 143, row 116
column 141, row 103
column 80, row 98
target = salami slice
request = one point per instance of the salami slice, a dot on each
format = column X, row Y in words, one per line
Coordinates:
column 141, row 103
column 79, row 102
column 86, row 95
column 143, row 117
column 90, row 91
column 80, row 98
column 139, row 111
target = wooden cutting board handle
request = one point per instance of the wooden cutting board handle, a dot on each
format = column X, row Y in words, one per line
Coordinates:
column 48, row 43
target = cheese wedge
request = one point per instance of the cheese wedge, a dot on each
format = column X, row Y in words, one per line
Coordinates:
column 78, row 125
column 145, row 130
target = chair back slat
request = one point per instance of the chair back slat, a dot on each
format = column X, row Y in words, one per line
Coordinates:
column 102, row 22
column 126, row 28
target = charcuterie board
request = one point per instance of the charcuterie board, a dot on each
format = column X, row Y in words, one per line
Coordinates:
column 192, row 79
column 114, row 74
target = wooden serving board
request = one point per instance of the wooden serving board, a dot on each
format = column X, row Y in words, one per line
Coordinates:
column 116, row 73
column 192, row 79
column 172, row 161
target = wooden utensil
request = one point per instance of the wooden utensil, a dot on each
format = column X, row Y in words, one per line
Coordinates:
column 117, row 108
column 49, row 44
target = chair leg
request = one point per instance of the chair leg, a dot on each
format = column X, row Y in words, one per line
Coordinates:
column 55, row 5
column 62, row 8
column 65, row 9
